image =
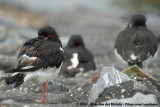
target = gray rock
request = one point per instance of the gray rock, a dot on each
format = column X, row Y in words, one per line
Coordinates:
column 110, row 84
column 10, row 102
column 108, row 77
column 138, row 100
column 52, row 87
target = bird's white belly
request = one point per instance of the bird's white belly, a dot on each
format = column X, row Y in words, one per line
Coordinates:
column 41, row 76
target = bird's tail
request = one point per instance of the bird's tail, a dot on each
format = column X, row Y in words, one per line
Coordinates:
column 16, row 79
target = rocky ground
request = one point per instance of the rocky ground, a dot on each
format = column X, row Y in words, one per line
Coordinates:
column 99, row 30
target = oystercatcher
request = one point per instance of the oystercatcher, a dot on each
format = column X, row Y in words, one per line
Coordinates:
column 77, row 58
column 136, row 44
column 39, row 60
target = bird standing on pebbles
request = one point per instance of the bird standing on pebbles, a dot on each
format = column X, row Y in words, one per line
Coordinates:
column 136, row 44
column 39, row 60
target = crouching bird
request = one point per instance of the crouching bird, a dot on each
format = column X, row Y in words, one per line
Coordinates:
column 77, row 58
column 136, row 44
column 39, row 60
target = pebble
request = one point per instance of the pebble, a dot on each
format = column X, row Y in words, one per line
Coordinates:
column 26, row 90
column 21, row 88
column 3, row 106
column 108, row 97
column 123, row 90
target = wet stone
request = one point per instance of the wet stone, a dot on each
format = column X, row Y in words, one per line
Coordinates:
column 116, row 91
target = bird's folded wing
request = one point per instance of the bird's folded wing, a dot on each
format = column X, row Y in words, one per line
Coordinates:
column 39, row 56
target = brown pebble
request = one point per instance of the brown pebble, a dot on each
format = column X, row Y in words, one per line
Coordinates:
column 3, row 106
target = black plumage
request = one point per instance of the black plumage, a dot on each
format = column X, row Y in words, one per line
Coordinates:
column 39, row 60
column 42, row 52
column 136, row 44
column 85, row 59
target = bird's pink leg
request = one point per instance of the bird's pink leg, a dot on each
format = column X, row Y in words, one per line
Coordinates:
column 43, row 97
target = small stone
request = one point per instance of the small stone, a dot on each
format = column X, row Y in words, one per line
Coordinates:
column 81, row 69
column 8, row 90
column 122, row 96
column 21, row 88
column 108, row 97
column 71, row 95
column 79, row 88
column 13, row 89
column 2, row 85
column 25, row 90
column 144, row 83
column 3, row 106
column 69, row 91
column 82, row 93
column 123, row 90
column 37, row 89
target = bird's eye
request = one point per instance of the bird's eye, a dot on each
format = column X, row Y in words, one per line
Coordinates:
column 49, row 35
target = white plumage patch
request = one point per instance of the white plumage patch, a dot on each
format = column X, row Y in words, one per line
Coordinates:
column 15, row 73
column 74, row 61
column 25, row 57
column 41, row 76
column 61, row 49
column 33, row 58
column 27, row 67
column 133, row 57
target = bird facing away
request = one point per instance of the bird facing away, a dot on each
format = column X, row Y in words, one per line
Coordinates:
column 77, row 58
column 39, row 60
column 136, row 44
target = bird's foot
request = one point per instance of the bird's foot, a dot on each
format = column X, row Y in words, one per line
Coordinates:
column 41, row 101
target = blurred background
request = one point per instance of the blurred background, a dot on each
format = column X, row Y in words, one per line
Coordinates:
column 98, row 21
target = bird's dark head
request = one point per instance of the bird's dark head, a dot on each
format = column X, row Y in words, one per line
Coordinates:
column 137, row 20
column 48, row 32
column 76, row 41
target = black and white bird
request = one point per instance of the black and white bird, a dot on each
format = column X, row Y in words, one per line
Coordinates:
column 39, row 60
column 77, row 58
column 136, row 44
